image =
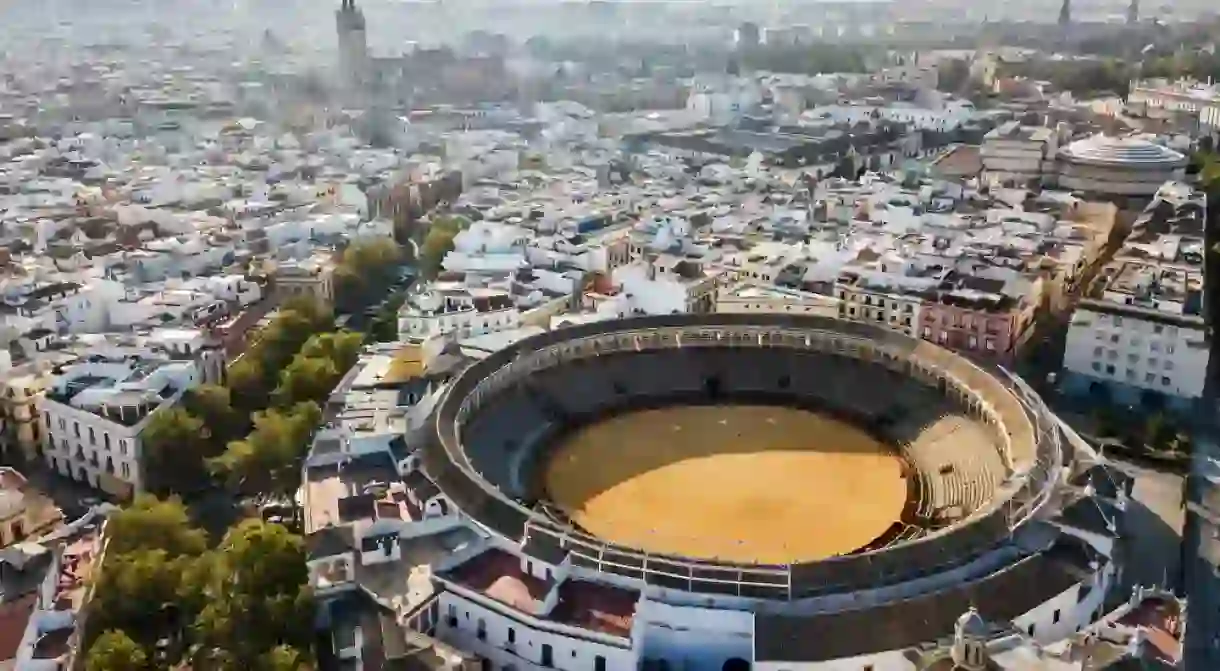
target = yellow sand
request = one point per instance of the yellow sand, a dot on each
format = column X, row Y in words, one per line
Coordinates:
column 734, row 483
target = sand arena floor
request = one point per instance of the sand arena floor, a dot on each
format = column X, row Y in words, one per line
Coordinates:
column 734, row 483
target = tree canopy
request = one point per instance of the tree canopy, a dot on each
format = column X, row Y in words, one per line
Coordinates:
column 115, row 651
column 175, row 448
column 364, row 270
column 438, row 243
column 255, row 375
column 809, row 59
column 245, row 603
column 152, row 523
column 259, row 608
column 268, row 460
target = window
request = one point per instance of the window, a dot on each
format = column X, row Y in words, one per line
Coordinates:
column 512, row 635
column 76, row 428
column 1169, row 349
column 480, row 631
column 1154, row 346
column 1158, row 329
column 1097, row 366
column 599, row 663
column 1164, row 382
column 927, row 332
column 126, row 470
column 106, row 440
column 1109, row 369
column 1055, row 617
column 548, row 655
column 92, row 437
column 1150, row 378
column 1168, row 365
column 1114, row 338
column 1097, row 351
column 1118, row 321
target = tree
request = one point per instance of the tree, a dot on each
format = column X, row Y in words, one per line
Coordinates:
column 438, row 243
column 247, row 382
column 268, row 460
column 306, row 379
column 341, row 348
column 259, row 600
column 953, row 75
column 213, row 405
column 115, row 651
column 364, row 271
column 152, row 523
column 1157, row 431
column 175, row 447
column 137, row 592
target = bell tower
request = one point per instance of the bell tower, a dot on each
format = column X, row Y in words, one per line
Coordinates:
column 353, row 45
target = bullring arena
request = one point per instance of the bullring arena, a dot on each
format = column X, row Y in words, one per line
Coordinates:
column 881, row 450
column 825, row 478
column 739, row 483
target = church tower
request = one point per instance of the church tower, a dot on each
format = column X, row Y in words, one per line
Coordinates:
column 353, row 46
column 1065, row 14
column 1133, row 12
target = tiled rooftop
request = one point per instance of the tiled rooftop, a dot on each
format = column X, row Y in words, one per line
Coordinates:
column 498, row 575
column 595, row 606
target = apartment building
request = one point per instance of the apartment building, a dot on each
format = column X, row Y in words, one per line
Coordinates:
column 1019, row 154
column 1199, row 99
column 1143, row 341
column 978, row 316
column 1139, row 337
column 666, row 284
column 885, row 299
column 453, row 309
column 313, row 277
column 95, row 409
column 20, row 389
column 751, row 297
column 24, row 512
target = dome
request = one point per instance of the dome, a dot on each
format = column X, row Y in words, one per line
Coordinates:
column 1131, row 152
column 971, row 624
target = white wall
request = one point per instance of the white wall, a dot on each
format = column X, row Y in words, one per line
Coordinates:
column 1096, row 341
column 700, row 637
column 886, row 661
column 60, row 424
column 525, row 651
column 1065, row 614
column 464, row 322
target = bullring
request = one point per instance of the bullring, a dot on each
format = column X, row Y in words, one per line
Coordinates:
column 985, row 473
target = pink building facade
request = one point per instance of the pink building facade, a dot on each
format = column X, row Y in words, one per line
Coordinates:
column 988, row 328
